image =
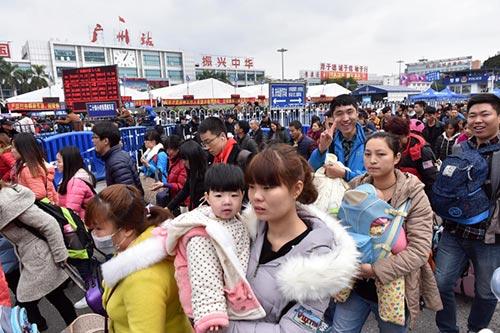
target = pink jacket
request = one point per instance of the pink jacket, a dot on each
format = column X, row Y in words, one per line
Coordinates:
column 42, row 185
column 78, row 193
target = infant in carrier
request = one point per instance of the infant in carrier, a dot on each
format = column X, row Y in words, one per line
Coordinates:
column 378, row 231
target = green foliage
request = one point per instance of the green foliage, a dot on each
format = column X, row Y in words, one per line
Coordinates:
column 22, row 80
column 492, row 62
column 208, row 74
column 346, row 82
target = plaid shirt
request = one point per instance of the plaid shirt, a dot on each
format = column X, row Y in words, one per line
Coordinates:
column 474, row 231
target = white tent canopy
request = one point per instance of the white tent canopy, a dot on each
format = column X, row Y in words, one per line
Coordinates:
column 37, row 95
column 209, row 88
column 255, row 90
column 57, row 91
column 329, row 90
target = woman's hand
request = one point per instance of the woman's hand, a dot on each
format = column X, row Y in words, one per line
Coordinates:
column 366, row 271
column 157, row 186
column 214, row 328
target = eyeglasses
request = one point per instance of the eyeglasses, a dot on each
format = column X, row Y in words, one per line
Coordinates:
column 206, row 143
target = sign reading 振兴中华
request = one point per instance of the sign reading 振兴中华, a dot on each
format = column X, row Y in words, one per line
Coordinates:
column 225, row 62
column 90, row 84
column 101, row 110
column 287, row 95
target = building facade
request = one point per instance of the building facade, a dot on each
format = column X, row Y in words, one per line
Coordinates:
column 240, row 71
column 424, row 66
column 133, row 62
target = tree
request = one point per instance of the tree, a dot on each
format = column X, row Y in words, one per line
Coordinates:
column 207, row 74
column 492, row 62
column 23, row 80
column 8, row 75
column 39, row 77
column 346, row 82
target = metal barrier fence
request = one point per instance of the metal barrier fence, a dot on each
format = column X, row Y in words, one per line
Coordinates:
column 132, row 139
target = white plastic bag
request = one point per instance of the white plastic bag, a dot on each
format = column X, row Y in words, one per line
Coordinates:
column 330, row 191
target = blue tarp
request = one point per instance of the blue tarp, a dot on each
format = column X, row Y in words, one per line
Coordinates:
column 447, row 94
column 428, row 95
column 497, row 92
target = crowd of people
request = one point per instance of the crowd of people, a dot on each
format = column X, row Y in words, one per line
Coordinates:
column 215, row 227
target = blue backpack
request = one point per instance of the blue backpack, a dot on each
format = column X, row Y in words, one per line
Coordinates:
column 458, row 194
column 359, row 208
column 15, row 320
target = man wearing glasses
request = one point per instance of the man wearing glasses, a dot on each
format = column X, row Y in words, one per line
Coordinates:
column 213, row 135
column 344, row 137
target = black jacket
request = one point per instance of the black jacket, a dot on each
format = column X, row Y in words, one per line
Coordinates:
column 120, row 168
column 248, row 143
column 194, row 189
column 258, row 136
column 432, row 133
column 305, row 146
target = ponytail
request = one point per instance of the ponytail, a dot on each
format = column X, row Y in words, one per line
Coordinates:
column 309, row 193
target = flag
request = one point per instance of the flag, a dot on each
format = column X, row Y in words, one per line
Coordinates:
column 121, row 19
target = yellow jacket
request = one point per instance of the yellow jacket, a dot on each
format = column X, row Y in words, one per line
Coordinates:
column 145, row 300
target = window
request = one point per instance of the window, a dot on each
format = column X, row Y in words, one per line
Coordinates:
column 251, row 76
column 127, row 72
column 94, row 56
column 241, row 76
column 198, row 74
column 174, row 60
column 175, row 75
column 152, row 73
column 231, row 76
column 65, row 55
column 259, row 76
column 151, row 59
column 466, row 89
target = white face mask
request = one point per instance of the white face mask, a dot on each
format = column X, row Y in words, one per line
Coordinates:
column 104, row 244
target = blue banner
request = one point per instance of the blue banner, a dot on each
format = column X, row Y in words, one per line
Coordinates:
column 101, row 110
column 287, row 95
column 432, row 76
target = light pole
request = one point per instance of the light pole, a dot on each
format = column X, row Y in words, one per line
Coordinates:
column 399, row 77
column 282, row 51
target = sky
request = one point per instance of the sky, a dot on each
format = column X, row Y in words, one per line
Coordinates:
column 365, row 32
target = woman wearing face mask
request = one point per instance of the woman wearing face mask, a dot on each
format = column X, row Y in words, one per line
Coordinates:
column 142, row 299
column 382, row 153
column 299, row 256
column 39, row 245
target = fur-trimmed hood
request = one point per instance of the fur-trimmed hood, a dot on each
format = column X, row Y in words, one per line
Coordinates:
column 321, row 265
column 328, row 264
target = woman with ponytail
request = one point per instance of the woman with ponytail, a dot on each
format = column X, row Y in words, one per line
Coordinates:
column 299, row 256
column 140, row 293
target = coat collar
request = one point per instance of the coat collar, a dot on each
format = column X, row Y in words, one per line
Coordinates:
column 327, row 253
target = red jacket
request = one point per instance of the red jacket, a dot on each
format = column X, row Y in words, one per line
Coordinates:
column 7, row 161
column 4, row 290
column 177, row 176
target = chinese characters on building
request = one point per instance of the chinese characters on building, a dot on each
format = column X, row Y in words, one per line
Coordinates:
column 333, row 71
column 4, row 50
column 226, row 62
column 123, row 36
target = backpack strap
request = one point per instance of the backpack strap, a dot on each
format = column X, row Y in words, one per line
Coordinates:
column 398, row 221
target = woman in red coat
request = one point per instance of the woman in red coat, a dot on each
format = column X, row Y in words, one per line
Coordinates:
column 7, row 161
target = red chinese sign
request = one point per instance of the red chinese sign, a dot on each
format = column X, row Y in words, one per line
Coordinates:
column 226, row 62
column 98, row 28
column 90, row 84
column 33, row 106
column 4, row 50
column 146, row 39
column 333, row 71
column 206, row 101
column 123, row 36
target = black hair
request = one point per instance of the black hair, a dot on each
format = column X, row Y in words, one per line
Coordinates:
column 315, row 119
column 107, row 130
column 31, row 153
column 173, row 142
column 391, row 140
column 214, row 125
column 430, row 109
column 295, row 124
column 72, row 162
column 222, row 177
column 453, row 123
column 363, row 114
column 491, row 99
column 192, row 152
column 386, row 109
column 152, row 135
column 421, row 103
column 244, row 125
column 343, row 100
column 159, row 129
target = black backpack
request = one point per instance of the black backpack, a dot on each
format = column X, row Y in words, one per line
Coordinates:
column 77, row 238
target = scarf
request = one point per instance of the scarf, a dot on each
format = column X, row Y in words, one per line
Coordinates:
column 223, row 156
column 150, row 153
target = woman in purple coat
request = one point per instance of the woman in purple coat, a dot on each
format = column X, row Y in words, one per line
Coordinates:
column 300, row 257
